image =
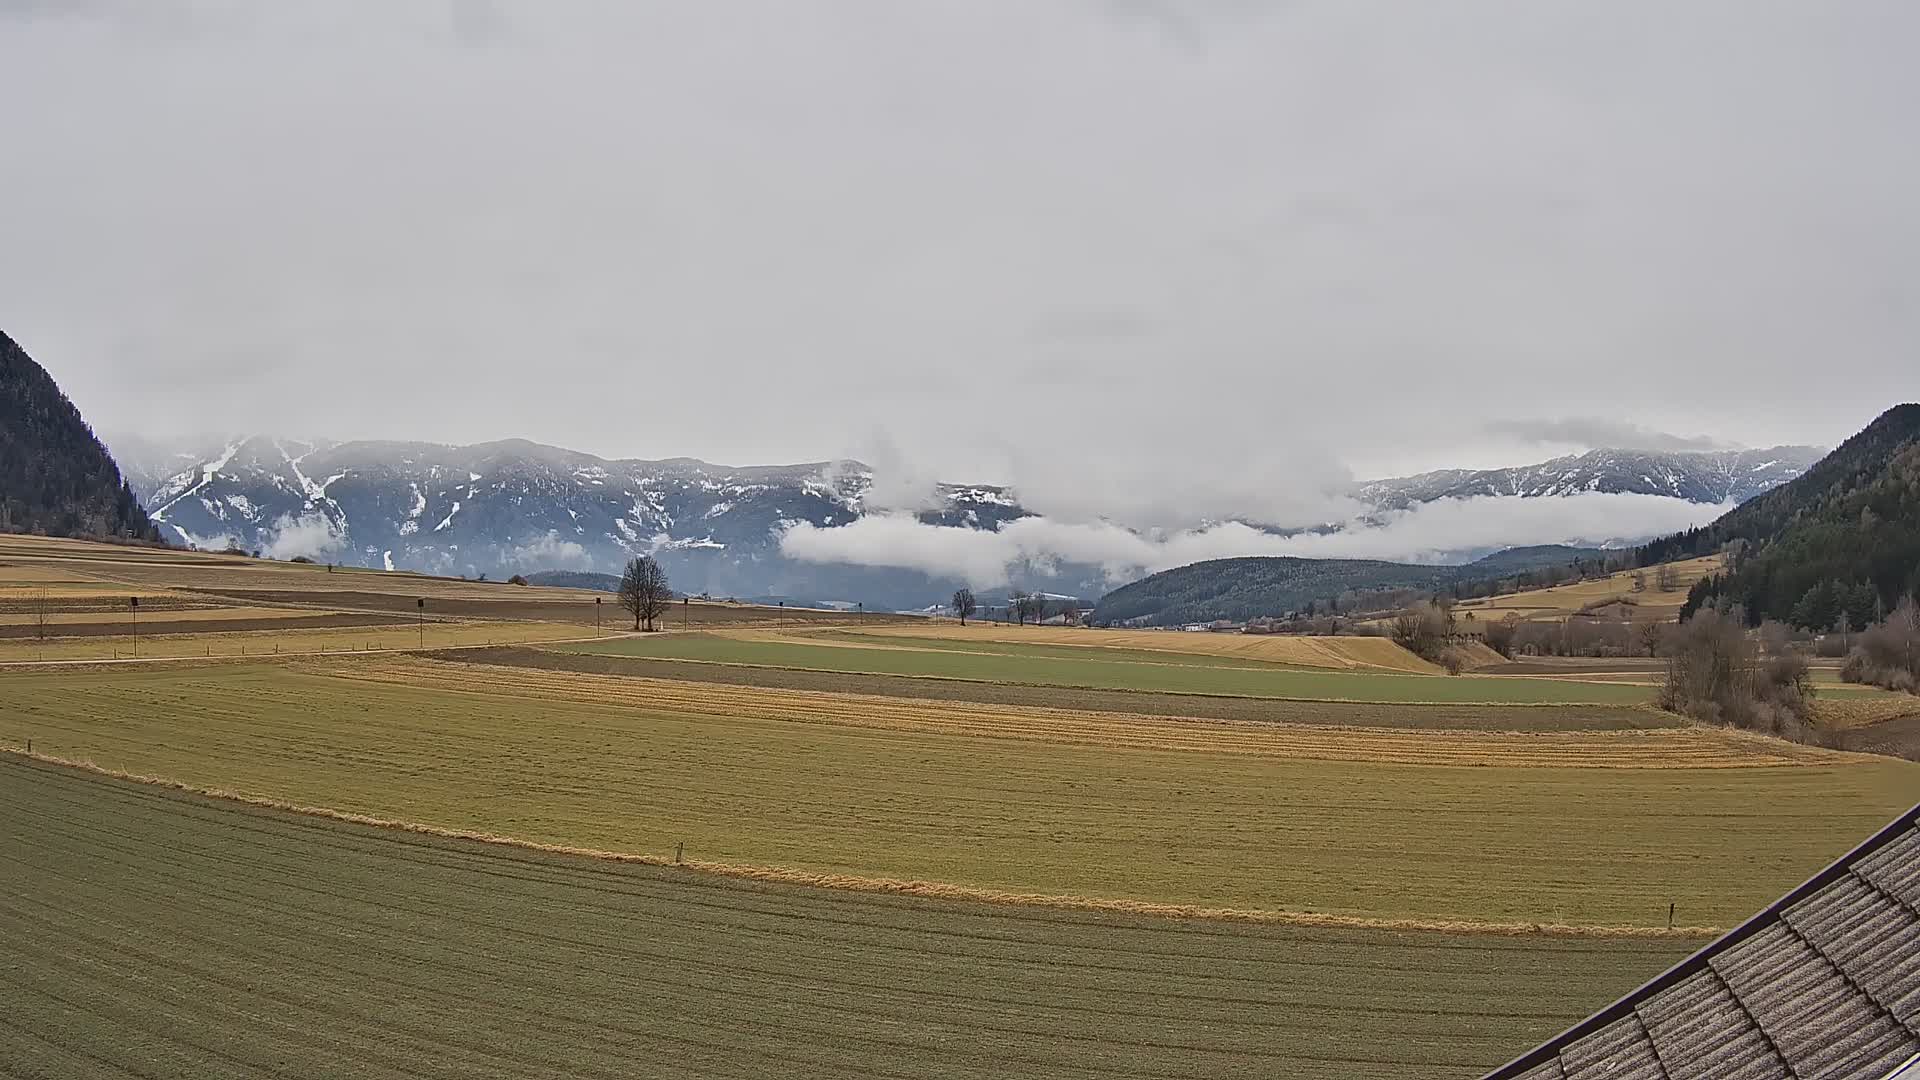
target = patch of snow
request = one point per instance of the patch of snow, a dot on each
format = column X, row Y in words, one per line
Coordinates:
column 663, row 542
column 207, row 472
column 473, row 477
column 717, row 509
column 386, row 559
column 448, row 520
column 241, row 503
column 419, row 503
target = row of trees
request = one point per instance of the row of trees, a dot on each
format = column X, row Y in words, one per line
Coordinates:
column 1022, row 606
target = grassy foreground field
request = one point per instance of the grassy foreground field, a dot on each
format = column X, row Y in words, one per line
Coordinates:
column 164, row 935
column 1287, row 819
column 1097, row 669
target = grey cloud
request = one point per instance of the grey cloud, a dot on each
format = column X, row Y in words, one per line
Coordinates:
column 1594, row 432
column 1045, row 245
column 1431, row 532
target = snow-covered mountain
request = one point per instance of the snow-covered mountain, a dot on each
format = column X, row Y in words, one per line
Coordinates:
column 1718, row 476
column 515, row 506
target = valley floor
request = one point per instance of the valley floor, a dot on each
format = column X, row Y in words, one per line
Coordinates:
column 908, row 850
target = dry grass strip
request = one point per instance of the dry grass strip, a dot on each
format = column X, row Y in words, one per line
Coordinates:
column 937, row 890
column 1658, row 748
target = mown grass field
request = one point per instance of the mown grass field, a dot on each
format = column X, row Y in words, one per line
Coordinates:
column 164, row 935
column 1283, row 820
column 267, row 641
column 1050, row 665
column 1295, row 651
column 959, row 692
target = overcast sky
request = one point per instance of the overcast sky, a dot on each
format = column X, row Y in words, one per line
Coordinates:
column 1109, row 246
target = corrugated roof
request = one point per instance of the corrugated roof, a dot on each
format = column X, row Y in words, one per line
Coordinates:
column 1824, row 983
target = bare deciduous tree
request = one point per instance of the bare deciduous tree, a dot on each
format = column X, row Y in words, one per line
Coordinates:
column 40, row 606
column 1651, row 634
column 1500, row 635
column 644, row 591
column 1666, row 578
column 963, row 604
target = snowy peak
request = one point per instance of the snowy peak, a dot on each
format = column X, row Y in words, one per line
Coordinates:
column 1718, row 476
column 516, row 506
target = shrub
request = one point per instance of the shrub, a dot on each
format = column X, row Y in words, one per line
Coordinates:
column 1715, row 676
column 1888, row 654
column 516, row 580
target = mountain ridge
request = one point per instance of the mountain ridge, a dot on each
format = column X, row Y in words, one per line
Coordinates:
column 56, row 477
column 519, row 506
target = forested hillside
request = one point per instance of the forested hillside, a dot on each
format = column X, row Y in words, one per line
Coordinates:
column 1840, row 542
column 1269, row 586
column 55, row 477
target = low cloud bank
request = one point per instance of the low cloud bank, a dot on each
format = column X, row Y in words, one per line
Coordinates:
column 550, row 552
column 310, row 535
column 1430, row 532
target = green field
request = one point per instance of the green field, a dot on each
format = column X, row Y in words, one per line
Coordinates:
column 166, row 936
column 1477, row 841
column 1163, row 673
column 1453, row 717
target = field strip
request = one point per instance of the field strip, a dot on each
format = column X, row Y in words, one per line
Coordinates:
column 263, row 656
column 161, row 933
column 1429, row 840
column 1453, row 716
column 1451, row 680
column 841, row 638
column 1673, row 748
column 1351, row 653
column 902, row 887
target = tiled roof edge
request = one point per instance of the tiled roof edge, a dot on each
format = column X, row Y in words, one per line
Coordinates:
column 1551, row 1049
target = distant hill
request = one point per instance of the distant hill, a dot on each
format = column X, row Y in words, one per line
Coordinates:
column 576, row 579
column 1248, row 588
column 55, row 477
column 1843, row 538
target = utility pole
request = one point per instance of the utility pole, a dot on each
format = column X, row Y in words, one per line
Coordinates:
column 133, row 610
column 421, row 603
column 597, row 601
